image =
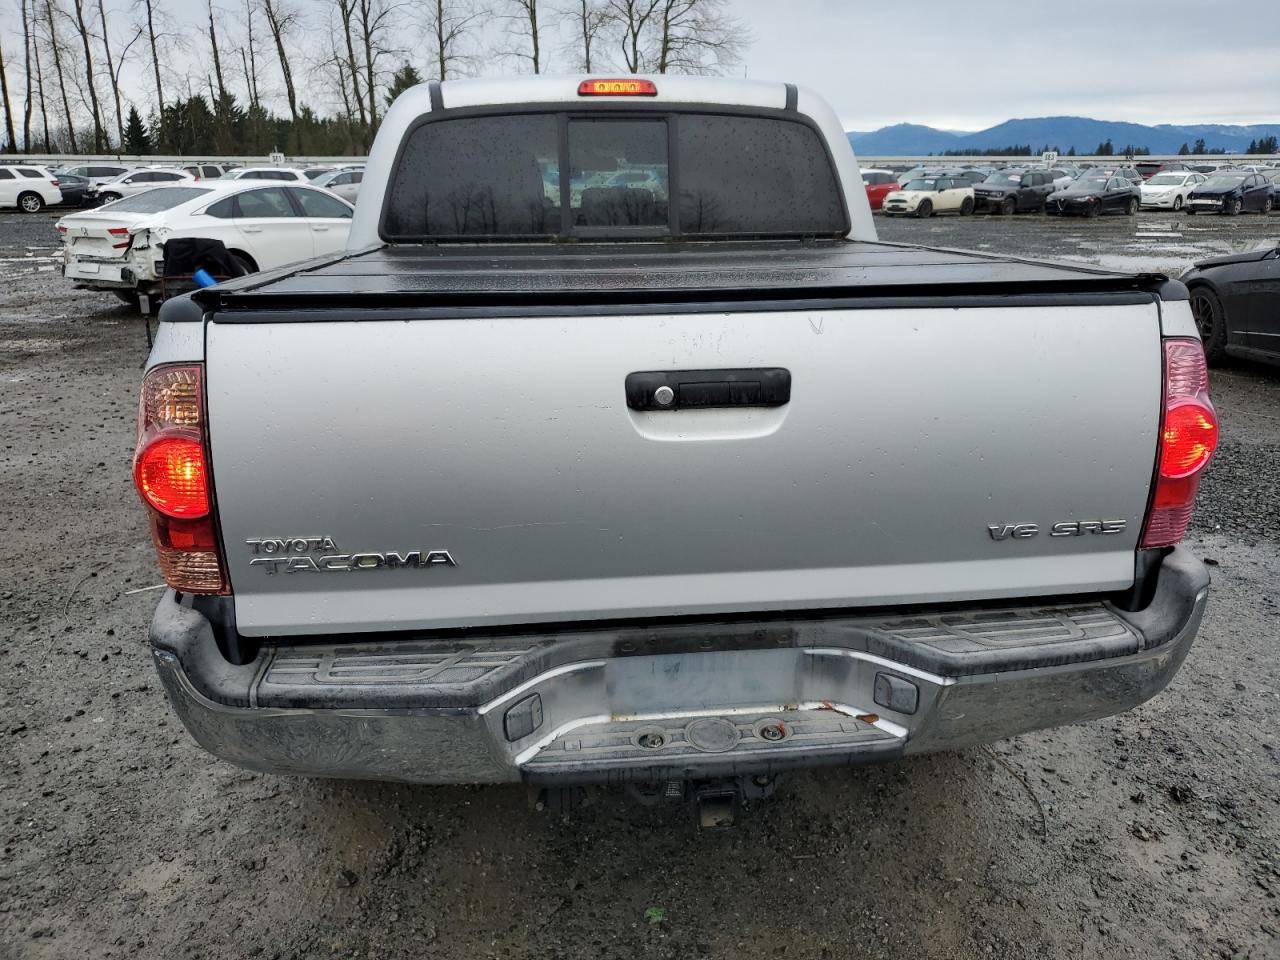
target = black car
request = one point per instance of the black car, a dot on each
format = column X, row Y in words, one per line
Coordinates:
column 1236, row 303
column 1008, row 191
column 1129, row 173
column 1230, row 192
column 73, row 188
column 1094, row 194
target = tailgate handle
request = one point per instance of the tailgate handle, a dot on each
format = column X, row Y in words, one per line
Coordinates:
column 694, row 389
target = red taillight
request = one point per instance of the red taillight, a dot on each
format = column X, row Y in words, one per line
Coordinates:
column 117, row 232
column 171, row 476
column 1188, row 437
column 171, row 472
column 617, row 88
column 54, row 182
column 61, row 228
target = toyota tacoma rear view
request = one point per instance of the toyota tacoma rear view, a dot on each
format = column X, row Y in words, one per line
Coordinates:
column 616, row 448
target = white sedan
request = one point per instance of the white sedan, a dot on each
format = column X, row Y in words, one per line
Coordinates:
column 289, row 174
column 120, row 246
column 136, row 181
column 1168, row 190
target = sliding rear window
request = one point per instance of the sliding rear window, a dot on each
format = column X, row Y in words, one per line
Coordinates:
column 539, row 176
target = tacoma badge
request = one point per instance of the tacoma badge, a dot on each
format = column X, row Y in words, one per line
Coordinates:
column 294, row 555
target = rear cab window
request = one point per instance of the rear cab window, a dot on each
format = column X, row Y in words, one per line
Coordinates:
column 610, row 174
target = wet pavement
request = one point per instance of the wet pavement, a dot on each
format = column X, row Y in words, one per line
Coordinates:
column 1152, row 834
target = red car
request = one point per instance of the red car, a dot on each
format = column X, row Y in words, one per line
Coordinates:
column 879, row 184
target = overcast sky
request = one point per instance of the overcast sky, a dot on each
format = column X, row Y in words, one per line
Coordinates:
column 938, row 62
column 879, row 63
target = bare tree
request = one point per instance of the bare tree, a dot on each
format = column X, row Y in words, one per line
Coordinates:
column 55, row 47
column 217, row 60
column 95, row 108
column 113, row 70
column 698, row 36
column 344, row 87
column 632, row 19
column 282, row 22
column 249, row 57
column 26, row 58
column 346, row 13
column 449, row 25
column 149, row 8
column 376, row 21
column 44, row 107
column 586, row 19
column 522, row 25
column 11, row 143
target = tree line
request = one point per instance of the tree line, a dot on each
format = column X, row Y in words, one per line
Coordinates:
column 307, row 76
column 1264, row 146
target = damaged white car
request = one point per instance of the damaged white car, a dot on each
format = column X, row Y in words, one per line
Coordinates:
column 120, row 246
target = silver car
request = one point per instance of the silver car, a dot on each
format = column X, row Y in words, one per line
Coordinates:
column 345, row 183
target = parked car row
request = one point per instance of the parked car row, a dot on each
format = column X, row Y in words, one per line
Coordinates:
column 1063, row 191
column 32, row 187
column 118, row 247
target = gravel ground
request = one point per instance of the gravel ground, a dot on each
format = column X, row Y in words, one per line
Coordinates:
column 1153, row 834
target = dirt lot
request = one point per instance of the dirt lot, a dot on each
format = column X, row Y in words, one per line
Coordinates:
column 1154, row 834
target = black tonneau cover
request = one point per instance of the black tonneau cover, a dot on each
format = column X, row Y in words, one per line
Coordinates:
column 543, row 278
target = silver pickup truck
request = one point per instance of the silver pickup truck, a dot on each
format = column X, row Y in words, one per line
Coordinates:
column 617, row 449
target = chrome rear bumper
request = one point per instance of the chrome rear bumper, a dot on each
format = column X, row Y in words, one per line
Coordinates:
column 674, row 701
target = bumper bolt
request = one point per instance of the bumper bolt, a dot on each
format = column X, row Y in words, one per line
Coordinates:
column 772, row 732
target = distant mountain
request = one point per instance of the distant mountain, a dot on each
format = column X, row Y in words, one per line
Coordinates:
column 1083, row 133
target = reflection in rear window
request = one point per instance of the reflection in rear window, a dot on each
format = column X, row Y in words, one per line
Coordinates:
column 482, row 176
column 755, row 176
column 153, row 201
column 512, row 177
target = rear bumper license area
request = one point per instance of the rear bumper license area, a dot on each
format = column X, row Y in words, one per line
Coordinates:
column 100, row 272
column 674, row 701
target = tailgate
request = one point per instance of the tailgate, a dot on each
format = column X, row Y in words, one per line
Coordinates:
column 376, row 475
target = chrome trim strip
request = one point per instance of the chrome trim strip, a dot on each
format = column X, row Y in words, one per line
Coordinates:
column 536, row 681
column 880, row 662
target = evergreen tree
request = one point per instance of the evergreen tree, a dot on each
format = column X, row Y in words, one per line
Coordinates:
column 136, row 141
column 404, row 78
column 1253, row 147
column 228, row 125
column 1071, row 151
column 1184, row 151
column 1199, row 149
column 1105, row 149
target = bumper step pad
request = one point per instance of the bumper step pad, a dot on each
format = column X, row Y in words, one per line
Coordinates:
column 410, row 673
column 720, row 745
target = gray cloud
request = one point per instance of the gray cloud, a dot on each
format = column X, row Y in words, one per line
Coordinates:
column 968, row 66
